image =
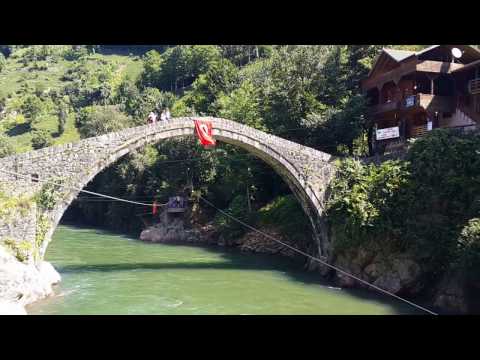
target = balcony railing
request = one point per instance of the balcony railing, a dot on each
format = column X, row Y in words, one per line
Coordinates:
column 429, row 102
column 474, row 86
column 386, row 107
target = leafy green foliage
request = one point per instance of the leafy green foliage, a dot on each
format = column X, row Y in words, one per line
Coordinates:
column 97, row 120
column 220, row 78
column 32, row 106
column 229, row 228
column 20, row 249
column 361, row 197
column 62, row 120
column 178, row 67
column 286, row 214
column 41, row 138
column 469, row 248
column 242, row 55
column 420, row 204
column 47, row 197
column 6, row 147
column 242, row 105
column 2, row 62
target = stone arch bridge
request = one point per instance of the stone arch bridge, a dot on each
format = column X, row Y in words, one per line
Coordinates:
column 306, row 171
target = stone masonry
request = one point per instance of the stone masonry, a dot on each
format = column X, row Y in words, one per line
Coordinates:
column 307, row 171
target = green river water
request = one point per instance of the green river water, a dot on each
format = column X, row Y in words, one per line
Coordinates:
column 107, row 273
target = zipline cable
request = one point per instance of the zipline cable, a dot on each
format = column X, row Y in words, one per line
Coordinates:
column 81, row 190
column 318, row 260
column 240, row 222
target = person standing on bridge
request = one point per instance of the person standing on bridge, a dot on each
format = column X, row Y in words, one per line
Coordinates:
column 152, row 118
column 167, row 114
column 163, row 116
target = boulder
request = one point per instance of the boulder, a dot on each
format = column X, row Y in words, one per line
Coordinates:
column 451, row 294
column 22, row 283
column 11, row 308
column 396, row 273
column 48, row 273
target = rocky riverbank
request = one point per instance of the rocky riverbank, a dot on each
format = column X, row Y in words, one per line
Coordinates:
column 404, row 275
column 174, row 231
column 22, row 284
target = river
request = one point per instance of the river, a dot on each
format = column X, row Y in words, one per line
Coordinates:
column 107, row 273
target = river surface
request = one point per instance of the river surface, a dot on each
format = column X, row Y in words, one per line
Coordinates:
column 107, row 273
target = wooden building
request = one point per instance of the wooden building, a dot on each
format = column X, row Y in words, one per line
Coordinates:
column 410, row 93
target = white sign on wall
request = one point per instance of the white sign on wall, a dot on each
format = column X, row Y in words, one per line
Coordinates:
column 388, row 133
column 429, row 125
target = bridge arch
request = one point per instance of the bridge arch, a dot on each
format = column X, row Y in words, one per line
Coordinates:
column 305, row 170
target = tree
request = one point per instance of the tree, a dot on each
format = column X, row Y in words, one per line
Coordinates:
column 32, row 106
column 128, row 96
column 242, row 105
column 177, row 67
column 62, row 119
column 6, row 147
column 220, row 78
column 3, row 62
column 97, row 120
column 138, row 105
column 241, row 55
column 41, row 138
column 334, row 128
column 291, row 87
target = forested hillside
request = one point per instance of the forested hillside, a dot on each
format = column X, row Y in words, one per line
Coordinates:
column 309, row 94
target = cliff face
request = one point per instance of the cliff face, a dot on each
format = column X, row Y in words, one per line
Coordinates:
column 402, row 274
column 22, row 283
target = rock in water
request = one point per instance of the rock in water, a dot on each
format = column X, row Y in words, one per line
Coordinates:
column 22, row 284
column 11, row 308
column 48, row 273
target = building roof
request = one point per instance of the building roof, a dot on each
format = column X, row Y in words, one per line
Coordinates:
column 468, row 66
column 398, row 55
column 470, row 53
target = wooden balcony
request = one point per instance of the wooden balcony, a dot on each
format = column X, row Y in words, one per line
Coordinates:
column 418, row 131
column 384, row 108
column 474, row 86
column 430, row 103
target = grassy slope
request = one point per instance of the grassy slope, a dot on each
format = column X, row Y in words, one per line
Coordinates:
column 15, row 75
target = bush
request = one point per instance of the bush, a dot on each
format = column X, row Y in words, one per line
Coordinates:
column 41, row 138
column 62, row 120
column 359, row 207
column 286, row 213
column 6, row 147
column 469, row 248
column 419, row 205
column 98, row 120
column 229, row 228
column 3, row 62
column 32, row 106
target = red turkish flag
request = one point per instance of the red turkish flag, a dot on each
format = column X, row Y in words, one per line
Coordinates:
column 204, row 132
